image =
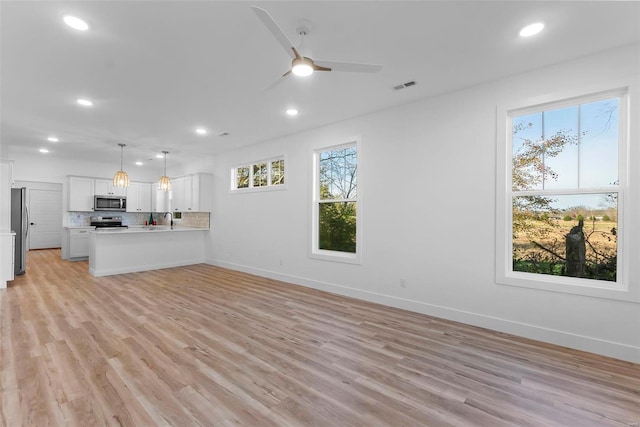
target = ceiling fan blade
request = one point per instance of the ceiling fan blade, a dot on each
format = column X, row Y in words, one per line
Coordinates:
column 278, row 81
column 317, row 67
column 349, row 66
column 277, row 32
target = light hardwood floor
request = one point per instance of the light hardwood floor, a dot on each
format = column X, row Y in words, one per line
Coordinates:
column 201, row 345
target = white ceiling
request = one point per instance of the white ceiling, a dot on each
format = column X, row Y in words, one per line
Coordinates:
column 157, row 69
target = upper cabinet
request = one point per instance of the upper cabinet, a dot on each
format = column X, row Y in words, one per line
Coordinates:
column 105, row 187
column 192, row 193
column 81, row 194
column 139, row 197
column 159, row 199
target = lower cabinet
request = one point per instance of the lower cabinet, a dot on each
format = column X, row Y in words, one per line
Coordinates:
column 78, row 243
column 7, row 243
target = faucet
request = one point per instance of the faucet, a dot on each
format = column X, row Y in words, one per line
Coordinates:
column 169, row 213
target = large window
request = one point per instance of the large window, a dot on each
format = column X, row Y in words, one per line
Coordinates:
column 564, row 192
column 335, row 211
column 266, row 174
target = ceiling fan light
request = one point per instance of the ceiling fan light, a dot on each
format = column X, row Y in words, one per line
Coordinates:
column 302, row 67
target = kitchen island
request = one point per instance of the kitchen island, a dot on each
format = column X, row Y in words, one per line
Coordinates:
column 118, row 250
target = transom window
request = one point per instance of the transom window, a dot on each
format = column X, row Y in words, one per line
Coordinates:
column 258, row 175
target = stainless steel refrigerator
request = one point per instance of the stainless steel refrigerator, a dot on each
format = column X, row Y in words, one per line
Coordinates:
column 20, row 225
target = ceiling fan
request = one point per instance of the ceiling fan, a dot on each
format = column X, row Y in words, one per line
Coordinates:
column 303, row 65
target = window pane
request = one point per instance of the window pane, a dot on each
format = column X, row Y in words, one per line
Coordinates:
column 277, row 172
column 561, row 153
column 337, row 226
column 548, row 239
column 242, row 177
column 527, row 152
column 599, row 143
column 260, row 175
column 338, row 170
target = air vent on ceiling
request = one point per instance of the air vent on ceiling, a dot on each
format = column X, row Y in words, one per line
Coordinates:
column 404, row 85
column 223, row 134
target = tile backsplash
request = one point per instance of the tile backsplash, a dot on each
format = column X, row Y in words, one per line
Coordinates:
column 189, row 219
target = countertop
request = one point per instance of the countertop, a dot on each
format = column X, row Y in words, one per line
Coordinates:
column 147, row 229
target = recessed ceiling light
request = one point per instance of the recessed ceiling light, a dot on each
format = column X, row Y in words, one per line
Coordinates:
column 84, row 102
column 159, row 156
column 292, row 112
column 531, row 30
column 44, row 150
column 139, row 163
column 52, row 139
column 76, row 23
column 201, row 131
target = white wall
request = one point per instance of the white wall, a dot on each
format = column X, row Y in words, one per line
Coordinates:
column 428, row 187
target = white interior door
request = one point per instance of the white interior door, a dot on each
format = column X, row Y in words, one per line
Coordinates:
column 45, row 218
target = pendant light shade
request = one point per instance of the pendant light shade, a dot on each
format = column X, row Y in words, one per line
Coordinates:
column 165, row 181
column 121, row 179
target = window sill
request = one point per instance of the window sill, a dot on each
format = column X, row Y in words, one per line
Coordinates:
column 567, row 285
column 336, row 256
column 259, row 189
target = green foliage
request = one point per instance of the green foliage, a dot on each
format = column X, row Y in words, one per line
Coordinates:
column 567, row 218
column 580, row 217
column 606, row 218
column 337, row 228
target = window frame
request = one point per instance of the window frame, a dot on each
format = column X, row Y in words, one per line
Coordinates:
column 233, row 181
column 620, row 289
column 325, row 254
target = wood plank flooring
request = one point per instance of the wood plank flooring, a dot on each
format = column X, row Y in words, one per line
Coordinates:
column 204, row 346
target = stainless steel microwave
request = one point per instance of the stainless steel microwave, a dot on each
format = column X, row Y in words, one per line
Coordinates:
column 110, row 203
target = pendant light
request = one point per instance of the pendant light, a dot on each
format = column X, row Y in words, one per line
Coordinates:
column 121, row 179
column 165, row 181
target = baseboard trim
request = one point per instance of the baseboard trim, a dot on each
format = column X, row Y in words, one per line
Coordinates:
column 561, row 338
column 147, row 267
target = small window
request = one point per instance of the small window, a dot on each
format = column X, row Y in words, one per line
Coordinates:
column 277, row 172
column 258, row 175
column 242, row 177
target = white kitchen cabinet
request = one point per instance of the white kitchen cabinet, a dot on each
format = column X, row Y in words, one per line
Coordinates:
column 178, row 195
column 192, row 193
column 139, row 197
column 159, row 199
column 105, row 187
column 81, row 192
column 78, row 243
